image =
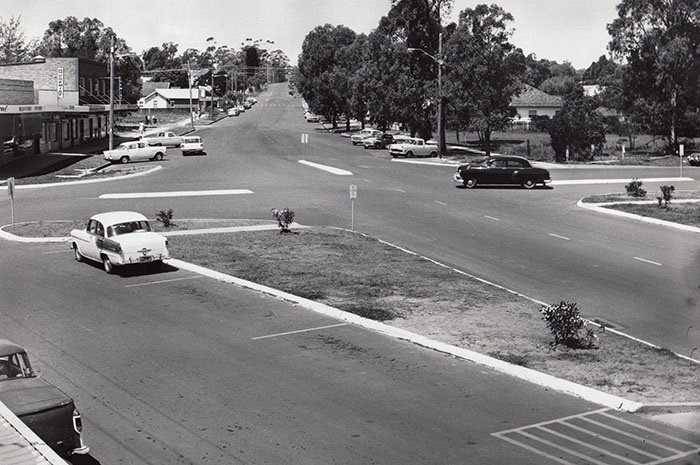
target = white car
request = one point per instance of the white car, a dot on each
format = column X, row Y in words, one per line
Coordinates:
column 134, row 151
column 233, row 111
column 166, row 138
column 119, row 238
column 192, row 144
column 363, row 134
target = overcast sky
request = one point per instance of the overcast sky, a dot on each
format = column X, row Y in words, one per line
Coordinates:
column 560, row 30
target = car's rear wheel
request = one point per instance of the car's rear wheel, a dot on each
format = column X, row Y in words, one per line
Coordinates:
column 433, row 154
column 124, row 160
column 76, row 252
column 529, row 183
column 158, row 156
column 409, row 154
column 107, row 265
column 470, row 183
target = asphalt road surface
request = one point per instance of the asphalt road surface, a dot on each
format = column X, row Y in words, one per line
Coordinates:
column 176, row 368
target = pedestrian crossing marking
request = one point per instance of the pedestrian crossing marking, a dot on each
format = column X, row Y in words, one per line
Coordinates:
column 602, row 437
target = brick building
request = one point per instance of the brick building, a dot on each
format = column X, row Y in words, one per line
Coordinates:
column 52, row 103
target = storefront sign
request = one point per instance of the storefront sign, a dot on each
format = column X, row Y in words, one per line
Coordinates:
column 59, row 83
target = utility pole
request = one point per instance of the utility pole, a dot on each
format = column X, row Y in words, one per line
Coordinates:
column 111, row 93
column 189, row 85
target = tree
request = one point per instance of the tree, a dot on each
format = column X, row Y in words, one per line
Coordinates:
column 576, row 127
column 660, row 41
column 13, row 48
column 484, row 70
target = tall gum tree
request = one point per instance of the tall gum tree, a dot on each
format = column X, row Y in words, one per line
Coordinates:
column 660, row 42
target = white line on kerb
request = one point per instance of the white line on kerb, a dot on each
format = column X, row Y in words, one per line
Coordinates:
column 162, row 281
column 648, row 261
column 330, row 169
column 139, row 195
column 559, row 237
column 299, row 331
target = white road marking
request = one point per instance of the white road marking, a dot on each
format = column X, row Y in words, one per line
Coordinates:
column 330, row 169
column 648, row 261
column 572, row 182
column 56, row 251
column 162, row 281
column 492, row 218
column 559, row 237
column 299, row 331
column 140, row 195
column 440, row 203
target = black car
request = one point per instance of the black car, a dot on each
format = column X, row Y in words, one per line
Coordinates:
column 380, row 141
column 502, row 169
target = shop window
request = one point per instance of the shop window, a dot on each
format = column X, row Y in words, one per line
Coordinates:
column 66, row 130
column 82, row 86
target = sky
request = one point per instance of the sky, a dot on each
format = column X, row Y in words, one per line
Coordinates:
column 559, row 30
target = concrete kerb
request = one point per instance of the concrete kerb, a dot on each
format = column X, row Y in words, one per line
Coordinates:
column 601, row 208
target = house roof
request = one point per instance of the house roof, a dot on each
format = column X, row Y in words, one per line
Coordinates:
column 173, row 94
column 150, row 86
column 533, row 97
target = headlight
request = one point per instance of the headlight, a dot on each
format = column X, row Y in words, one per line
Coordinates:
column 77, row 421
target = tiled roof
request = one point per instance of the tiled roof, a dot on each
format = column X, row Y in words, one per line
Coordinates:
column 533, row 97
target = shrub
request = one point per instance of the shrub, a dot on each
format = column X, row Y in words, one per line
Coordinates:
column 666, row 196
column 634, row 188
column 565, row 323
column 165, row 217
column 284, row 217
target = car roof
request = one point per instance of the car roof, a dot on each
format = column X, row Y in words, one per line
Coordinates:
column 9, row 347
column 507, row 157
column 109, row 218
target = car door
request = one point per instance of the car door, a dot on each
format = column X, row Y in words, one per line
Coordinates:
column 515, row 167
column 142, row 151
column 89, row 248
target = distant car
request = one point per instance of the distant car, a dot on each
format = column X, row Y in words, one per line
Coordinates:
column 233, row 111
column 501, row 169
column 192, row 144
column 119, row 238
column 364, row 134
column 165, row 138
column 49, row 412
column 134, row 151
column 413, row 147
column 247, row 105
column 312, row 118
column 380, row 141
column 694, row 159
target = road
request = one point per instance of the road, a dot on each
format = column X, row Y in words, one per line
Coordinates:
column 175, row 368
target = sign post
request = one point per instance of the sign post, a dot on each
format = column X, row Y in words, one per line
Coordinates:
column 304, row 144
column 681, row 152
column 353, row 196
column 11, row 193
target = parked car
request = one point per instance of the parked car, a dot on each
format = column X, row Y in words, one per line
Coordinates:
column 119, row 238
column 357, row 138
column 166, row 138
column 233, row 111
column 134, row 151
column 247, row 105
column 694, row 159
column 44, row 408
column 413, row 147
column 501, row 169
column 192, row 144
column 312, row 118
column 380, row 141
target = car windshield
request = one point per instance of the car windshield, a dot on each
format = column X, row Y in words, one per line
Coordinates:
column 15, row 366
column 123, row 147
column 128, row 227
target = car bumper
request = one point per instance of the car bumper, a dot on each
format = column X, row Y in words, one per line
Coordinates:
column 457, row 178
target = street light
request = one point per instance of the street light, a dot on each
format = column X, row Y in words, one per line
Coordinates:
column 440, row 62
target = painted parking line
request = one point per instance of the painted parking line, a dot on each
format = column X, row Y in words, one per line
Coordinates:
column 298, row 331
column 564, row 238
column 602, row 437
column 492, row 218
column 644, row 260
column 141, row 195
column 329, row 169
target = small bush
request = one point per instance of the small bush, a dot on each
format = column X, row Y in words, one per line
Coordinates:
column 565, row 323
column 284, row 217
column 634, row 188
column 666, row 196
column 165, row 217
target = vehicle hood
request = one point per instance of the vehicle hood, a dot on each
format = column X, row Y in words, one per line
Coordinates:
column 136, row 241
column 30, row 395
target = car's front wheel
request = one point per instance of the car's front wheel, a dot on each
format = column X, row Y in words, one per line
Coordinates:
column 124, row 160
column 76, row 252
column 528, row 183
column 107, row 265
column 409, row 154
column 470, row 183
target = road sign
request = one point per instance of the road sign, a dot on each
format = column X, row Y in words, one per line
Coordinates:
column 305, row 138
column 11, row 187
column 353, row 191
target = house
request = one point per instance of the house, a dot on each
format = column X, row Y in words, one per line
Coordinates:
column 172, row 98
column 533, row 102
column 51, row 103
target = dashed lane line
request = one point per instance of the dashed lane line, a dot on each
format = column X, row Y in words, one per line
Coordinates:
column 329, row 169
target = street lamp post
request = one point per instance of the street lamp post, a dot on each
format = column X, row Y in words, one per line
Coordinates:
column 440, row 62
